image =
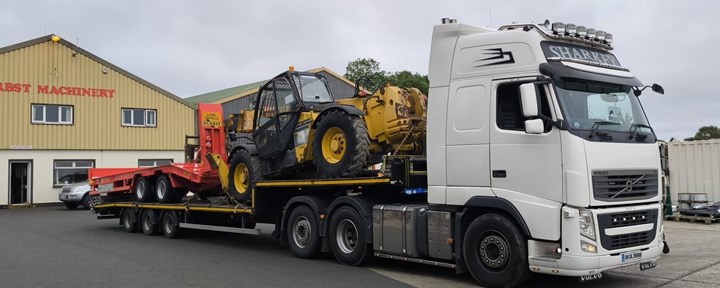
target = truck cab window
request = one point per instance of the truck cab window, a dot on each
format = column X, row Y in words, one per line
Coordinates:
column 509, row 114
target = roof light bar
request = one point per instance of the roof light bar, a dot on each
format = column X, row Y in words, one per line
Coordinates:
column 571, row 32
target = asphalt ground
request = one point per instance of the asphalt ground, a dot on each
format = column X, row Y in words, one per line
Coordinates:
column 55, row 247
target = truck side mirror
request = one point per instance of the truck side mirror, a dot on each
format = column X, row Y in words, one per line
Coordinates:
column 534, row 126
column 658, row 89
column 528, row 97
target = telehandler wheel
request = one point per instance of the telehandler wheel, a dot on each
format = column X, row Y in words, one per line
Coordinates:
column 170, row 224
column 127, row 220
column 148, row 222
column 164, row 191
column 347, row 237
column 143, row 190
column 303, row 233
column 340, row 145
column 496, row 252
column 244, row 173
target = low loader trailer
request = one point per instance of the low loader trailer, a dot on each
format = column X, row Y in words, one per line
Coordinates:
column 539, row 159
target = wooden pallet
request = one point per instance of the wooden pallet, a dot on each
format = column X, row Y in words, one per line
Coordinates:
column 694, row 218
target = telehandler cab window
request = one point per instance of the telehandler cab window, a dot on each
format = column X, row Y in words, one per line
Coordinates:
column 312, row 89
column 267, row 107
column 509, row 108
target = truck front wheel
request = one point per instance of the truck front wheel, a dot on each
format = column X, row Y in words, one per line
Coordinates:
column 347, row 237
column 496, row 252
column 303, row 233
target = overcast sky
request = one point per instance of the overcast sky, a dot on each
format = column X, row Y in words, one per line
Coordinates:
column 194, row 47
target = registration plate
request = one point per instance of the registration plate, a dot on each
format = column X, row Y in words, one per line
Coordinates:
column 647, row 265
column 630, row 256
column 63, row 196
column 593, row 277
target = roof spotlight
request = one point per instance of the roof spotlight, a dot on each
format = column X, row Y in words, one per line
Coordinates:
column 581, row 31
column 558, row 28
column 600, row 35
column 608, row 38
column 570, row 29
column 590, row 34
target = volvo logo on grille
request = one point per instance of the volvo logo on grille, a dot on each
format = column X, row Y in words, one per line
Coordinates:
column 628, row 186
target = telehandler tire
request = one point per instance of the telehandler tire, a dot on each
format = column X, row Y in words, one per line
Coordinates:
column 245, row 171
column 340, row 145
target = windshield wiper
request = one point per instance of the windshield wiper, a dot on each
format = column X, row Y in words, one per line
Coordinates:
column 634, row 133
column 596, row 125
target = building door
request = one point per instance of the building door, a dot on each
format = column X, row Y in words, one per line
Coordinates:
column 20, row 182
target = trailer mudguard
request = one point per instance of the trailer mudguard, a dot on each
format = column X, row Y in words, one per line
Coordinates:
column 363, row 206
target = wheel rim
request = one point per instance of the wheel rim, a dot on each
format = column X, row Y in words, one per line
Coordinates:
column 333, row 145
column 169, row 224
column 140, row 189
column 127, row 220
column 161, row 189
column 346, row 236
column 494, row 251
column 240, row 177
column 302, row 232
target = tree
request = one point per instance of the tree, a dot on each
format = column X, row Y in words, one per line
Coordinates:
column 365, row 67
column 706, row 133
column 409, row 79
column 370, row 68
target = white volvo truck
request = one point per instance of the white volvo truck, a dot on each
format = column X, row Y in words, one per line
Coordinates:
column 539, row 159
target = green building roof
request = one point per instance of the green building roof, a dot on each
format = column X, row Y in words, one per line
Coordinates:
column 211, row 97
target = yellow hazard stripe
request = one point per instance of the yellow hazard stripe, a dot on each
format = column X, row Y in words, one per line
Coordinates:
column 323, row 182
column 175, row 207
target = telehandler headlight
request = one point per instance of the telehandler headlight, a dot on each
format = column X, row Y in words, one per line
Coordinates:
column 587, row 224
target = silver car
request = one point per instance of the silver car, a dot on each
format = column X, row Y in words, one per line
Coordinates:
column 76, row 194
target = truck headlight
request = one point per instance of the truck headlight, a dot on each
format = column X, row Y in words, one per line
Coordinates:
column 587, row 224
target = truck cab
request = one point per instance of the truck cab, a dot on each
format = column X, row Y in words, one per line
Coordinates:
column 544, row 119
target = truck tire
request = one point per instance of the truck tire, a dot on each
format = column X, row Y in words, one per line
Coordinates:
column 164, row 191
column 170, row 225
column 347, row 237
column 244, row 173
column 303, row 233
column 340, row 145
column 143, row 190
column 127, row 219
column 148, row 222
column 496, row 252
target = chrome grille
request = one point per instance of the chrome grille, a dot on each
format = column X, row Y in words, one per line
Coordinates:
column 617, row 185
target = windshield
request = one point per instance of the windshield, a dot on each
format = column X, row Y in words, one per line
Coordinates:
column 600, row 111
column 312, row 89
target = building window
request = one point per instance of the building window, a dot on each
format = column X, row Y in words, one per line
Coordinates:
column 153, row 162
column 71, row 171
column 139, row 117
column 52, row 114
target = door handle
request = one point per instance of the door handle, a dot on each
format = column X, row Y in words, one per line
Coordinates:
column 499, row 173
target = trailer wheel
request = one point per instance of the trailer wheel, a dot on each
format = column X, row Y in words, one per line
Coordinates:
column 170, row 225
column 143, row 190
column 127, row 219
column 164, row 191
column 340, row 145
column 347, row 237
column 148, row 222
column 303, row 233
column 244, row 173
column 496, row 252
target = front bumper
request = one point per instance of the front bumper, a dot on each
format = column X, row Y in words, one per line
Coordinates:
column 573, row 265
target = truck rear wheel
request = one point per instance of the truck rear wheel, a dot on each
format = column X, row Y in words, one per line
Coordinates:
column 496, row 252
column 170, row 225
column 303, row 233
column 340, row 145
column 148, row 222
column 127, row 219
column 164, row 191
column 143, row 190
column 347, row 237
column 244, row 173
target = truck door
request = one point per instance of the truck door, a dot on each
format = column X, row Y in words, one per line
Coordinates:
column 523, row 166
column 276, row 117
